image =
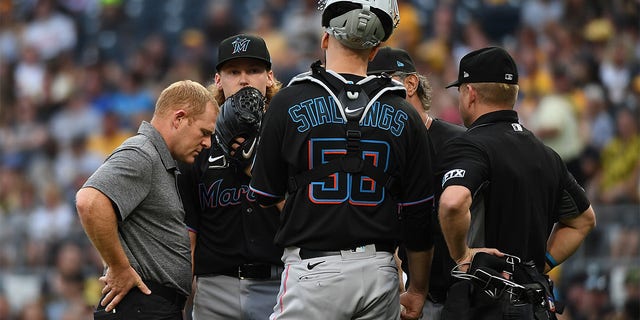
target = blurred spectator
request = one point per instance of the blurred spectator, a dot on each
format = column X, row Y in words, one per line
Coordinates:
column 300, row 29
column 50, row 32
column 615, row 71
column 77, row 118
column 74, row 165
column 435, row 50
column 155, row 60
column 219, row 23
column 621, row 162
column 52, row 220
column 133, row 102
column 67, row 283
column 407, row 34
column 24, row 136
column 599, row 122
column 9, row 37
column 29, row 75
column 192, row 60
column 114, row 36
column 111, row 136
column 555, row 122
column 537, row 14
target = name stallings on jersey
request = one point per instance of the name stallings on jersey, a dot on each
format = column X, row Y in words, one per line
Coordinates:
column 216, row 196
column 323, row 110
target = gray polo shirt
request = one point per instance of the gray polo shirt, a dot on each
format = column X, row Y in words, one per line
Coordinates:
column 139, row 178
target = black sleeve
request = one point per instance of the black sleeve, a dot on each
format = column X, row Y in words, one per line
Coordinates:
column 573, row 200
column 416, row 230
column 461, row 163
column 188, row 188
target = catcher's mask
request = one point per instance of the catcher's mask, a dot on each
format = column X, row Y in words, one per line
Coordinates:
column 359, row 24
column 240, row 117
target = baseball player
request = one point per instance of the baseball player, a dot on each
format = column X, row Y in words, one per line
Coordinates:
column 398, row 64
column 236, row 264
column 526, row 203
column 341, row 148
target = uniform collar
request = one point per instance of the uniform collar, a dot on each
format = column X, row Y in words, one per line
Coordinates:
column 496, row 116
column 149, row 131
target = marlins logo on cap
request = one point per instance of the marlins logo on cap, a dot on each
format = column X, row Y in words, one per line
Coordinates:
column 243, row 46
column 240, row 45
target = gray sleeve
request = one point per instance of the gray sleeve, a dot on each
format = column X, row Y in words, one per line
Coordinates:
column 124, row 178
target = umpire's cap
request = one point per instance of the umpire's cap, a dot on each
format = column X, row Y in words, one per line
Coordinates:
column 243, row 46
column 491, row 64
column 391, row 60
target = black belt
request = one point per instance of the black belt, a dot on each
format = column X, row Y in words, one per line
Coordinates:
column 309, row 254
column 254, row 271
column 172, row 295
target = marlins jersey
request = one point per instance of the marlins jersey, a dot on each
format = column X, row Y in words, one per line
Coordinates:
column 232, row 229
column 306, row 127
column 520, row 187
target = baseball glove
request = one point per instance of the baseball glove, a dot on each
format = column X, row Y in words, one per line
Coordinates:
column 240, row 117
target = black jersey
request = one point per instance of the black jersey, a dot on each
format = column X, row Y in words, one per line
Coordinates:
column 439, row 133
column 232, row 229
column 520, row 187
column 304, row 128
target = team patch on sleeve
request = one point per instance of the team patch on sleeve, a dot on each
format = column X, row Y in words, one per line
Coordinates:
column 455, row 173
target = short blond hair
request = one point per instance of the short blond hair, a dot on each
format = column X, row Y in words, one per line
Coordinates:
column 186, row 94
column 497, row 94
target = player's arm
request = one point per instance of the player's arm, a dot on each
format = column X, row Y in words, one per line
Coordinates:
column 193, row 237
column 398, row 261
column 418, row 241
column 420, row 270
column 455, row 218
column 99, row 220
column 575, row 219
column 567, row 235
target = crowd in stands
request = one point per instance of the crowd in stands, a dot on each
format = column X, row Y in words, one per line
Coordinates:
column 78, row 76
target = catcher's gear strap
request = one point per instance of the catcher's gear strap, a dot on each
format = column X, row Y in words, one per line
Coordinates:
column 353, row 101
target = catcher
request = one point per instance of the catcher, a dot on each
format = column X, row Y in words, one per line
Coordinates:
column 236, row 265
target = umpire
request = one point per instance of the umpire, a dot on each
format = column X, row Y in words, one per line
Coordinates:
column 524, row 200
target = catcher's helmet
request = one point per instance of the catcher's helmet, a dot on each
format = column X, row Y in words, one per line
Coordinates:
column 359, row 24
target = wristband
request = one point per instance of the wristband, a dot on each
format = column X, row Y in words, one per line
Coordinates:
column 550, row 260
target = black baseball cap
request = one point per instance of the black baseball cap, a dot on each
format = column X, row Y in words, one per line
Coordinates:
column 491, row 64
column 243, row 46
column 391, row 60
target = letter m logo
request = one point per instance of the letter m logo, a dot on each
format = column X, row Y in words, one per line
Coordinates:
column 240, row 45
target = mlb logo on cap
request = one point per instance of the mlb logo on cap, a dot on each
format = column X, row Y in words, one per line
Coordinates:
column 492, row 64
